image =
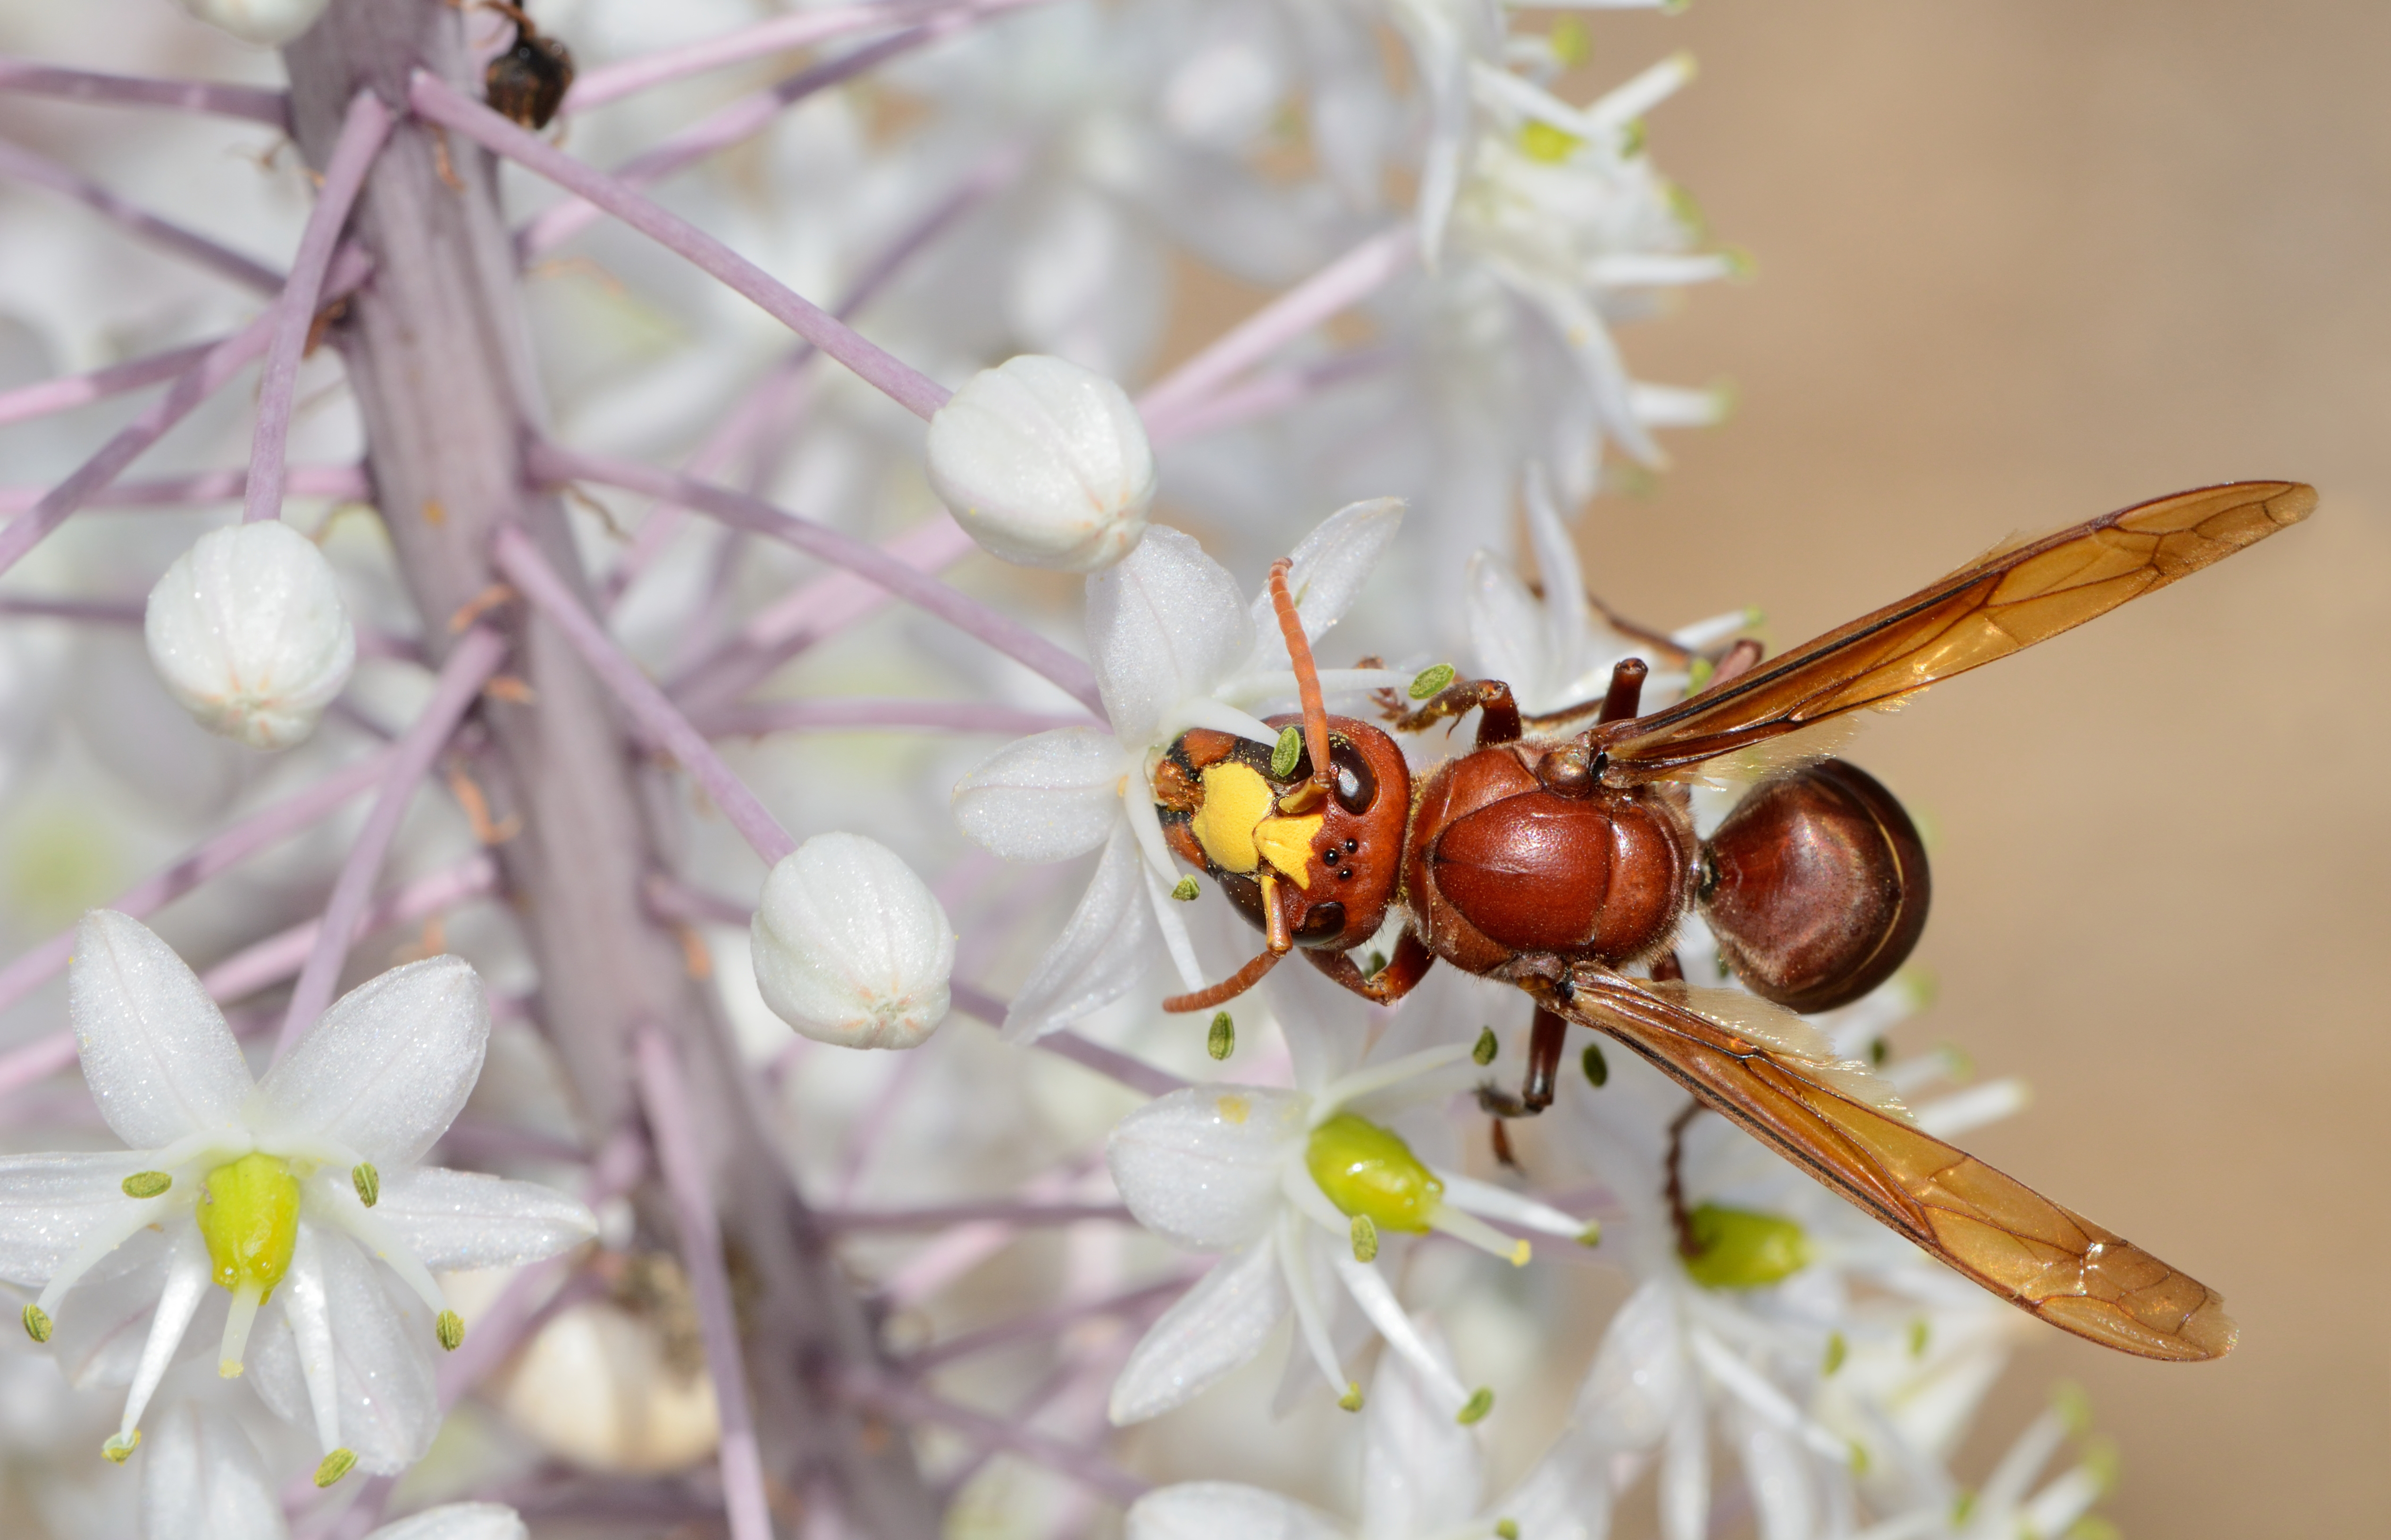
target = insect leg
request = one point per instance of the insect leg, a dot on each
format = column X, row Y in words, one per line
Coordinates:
column 1390, row 983
column 1626, row 694
column 1547, row 1036
column 1499, row 722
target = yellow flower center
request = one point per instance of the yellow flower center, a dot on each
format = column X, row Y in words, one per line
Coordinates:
column 248, row 1216
column 1741, row 1249
column 1368, row 1171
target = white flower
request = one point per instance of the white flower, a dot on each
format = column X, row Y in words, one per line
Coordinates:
column 281, row 1193
column 271, row 22
column 1423, row 1478
column 1175, row 645
column 849, row 947
column 201, row 1479
column 1296, row 1185
column 248, row 630
column 1044, row 463
column 2008, row 1504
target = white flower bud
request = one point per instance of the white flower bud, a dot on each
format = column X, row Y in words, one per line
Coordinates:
column 271, row 22
column 850, row 948
column 1044, row 463
column 248, row 630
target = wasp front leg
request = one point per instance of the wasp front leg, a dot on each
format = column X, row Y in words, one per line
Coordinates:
column 1547, row 1036
column 1498, row 722
column 1412, row 961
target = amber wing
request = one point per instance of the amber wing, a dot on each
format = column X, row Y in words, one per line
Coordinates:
column 2009, row 599
column 2000, row 1232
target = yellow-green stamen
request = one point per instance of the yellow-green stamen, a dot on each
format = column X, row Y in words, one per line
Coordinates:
column 1222, row 1041
column 1351, row 1400
column 1736, row 1248
column 1369, row 1170
column 1474, row 1410
column 337, row 1464
column 37, row 1323
column 120, row 1448
column 451, row 1328
column 1431, row 681
column 368, row 1182
column 1365, row 1238
column 1485, row 1048
column 146, row 1184
column 248, row 1216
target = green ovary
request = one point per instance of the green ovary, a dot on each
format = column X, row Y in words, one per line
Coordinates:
column 248, row 1216
column 1737, row 1248
column 1369, row 1171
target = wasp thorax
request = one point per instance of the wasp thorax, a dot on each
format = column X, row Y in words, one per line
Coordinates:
column 1815, row 886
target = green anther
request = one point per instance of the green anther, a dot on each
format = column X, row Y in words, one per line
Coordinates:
column 1736, row 1248
column 1572, row 43
column 1367, row 1170
column 1222, row 1041
column 1859, row 1458
column 1962, row 1507
column 450, row 1329
column 1507, row 1529
column 1879, row 1051
column 1378, row 965
column 1541, row 141
column 1918, row 1337
column 1597, row 1069
column 1631, row 139
column 248, row 1216
column 2100, row 1461
column 1286, row 752
column 2074, row 1408
column 120, row 1446
column 1839, row 1348
column 1591, row 1235
column 337, row 1464
column 146, row 1184
column 1185, row 890
column 37, row 1323
column 1474, row 1410
column 368, row 1183
column 1486, row 1047
column 1430, row 681
column 1365, row 1238
column 1351, row 1400
column 1699, row 675
column 2093, row 1527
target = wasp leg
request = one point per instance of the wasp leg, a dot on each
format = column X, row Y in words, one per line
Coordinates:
column 1679, row 1219
column 1625, row 699
column 1503, row 1145
column 1390, row 983
column 1547, row 1037
column 1498, row 721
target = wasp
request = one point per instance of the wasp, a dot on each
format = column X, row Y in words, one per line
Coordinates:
column 1557, row 858
column 527, row 82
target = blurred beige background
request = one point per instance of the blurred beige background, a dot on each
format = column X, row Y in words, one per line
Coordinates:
column 2018, row 265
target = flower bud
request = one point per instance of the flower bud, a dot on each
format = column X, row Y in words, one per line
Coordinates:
column 1044, row 463
column 248, row 632
column 850, row 948
column 271, row 22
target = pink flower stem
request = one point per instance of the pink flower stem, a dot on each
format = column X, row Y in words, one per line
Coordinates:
column 270, row 107
column 222, row 260
column 916, row 392
column 529, row 572
column 784, row 34
column 96, row 612
column 1262, row 394
column 363, row 133
column 79, row 390
column 277, row 957
column 914, row 1405
column 877, row 1220
column 1350, row 278
column 471, row 663
column 219, row 854
column 347, row 482
column 753, row 718
column 1112, row 1063
column 768, row 402
column 665, row 1097
column 1047, row 1322
column 223, row 361
column 551, row 462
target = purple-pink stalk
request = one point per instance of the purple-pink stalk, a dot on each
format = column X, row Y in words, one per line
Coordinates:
column 818, row 714
column 946, row 1216
column 79, row 390
column 915, row 1404
column 1350, row 277
column 201, row 487
column 554, row 463
column 213, row 255
column 908, row 387
column 525, row 567
column 270, row 107
column 279, row 956
column 362, row 136
column 471, row 663
column 1261, row 394
column 665, row 1097
column 1048, row 1323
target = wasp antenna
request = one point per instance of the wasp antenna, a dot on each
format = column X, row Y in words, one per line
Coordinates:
column 1227, row 989
column 1307, row 673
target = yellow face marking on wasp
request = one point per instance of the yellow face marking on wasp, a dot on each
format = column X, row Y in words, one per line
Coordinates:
column 1238, row 830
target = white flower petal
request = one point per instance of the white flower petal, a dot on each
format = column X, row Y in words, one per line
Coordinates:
column 457, row 1521
column 156, row 1052
column 1331, row 564
column 458, row 1221
column 1507, row 626
column 1422, row 1472
column 1218, row 1326
column 849, row 947
column 1638, row 1379
column 201, row 1479
column 1223, row 1511
column 1165, row 623
column 382, row 1344
column 97, row 1333
column 1101, row 953
column 387, row 1069
column 51, row 1204
column 270, row 22
column 1045, row 797
column 1200, row 1167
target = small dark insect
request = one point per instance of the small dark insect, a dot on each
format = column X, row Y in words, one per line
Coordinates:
column 1561, row 852
column 527, row 82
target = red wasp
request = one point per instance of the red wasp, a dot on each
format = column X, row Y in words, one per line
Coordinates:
column 1556, row 862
